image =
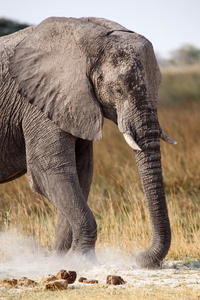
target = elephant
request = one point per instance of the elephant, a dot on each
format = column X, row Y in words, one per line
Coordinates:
column 59, row 80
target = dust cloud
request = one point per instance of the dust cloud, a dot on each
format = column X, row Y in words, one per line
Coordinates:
column 23, row 256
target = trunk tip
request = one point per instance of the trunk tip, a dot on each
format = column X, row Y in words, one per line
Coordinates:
column 146, row 261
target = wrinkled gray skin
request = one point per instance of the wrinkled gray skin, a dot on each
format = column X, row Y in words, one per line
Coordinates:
column 58, row 81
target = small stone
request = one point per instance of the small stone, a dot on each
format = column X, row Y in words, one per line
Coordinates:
column 24, row 281
column 62, row 274
column 9, row 283
column 57, row 285
column 47, row 279
column 93, row 281
column 115, row 280
column 70, row 276
column 81, row 279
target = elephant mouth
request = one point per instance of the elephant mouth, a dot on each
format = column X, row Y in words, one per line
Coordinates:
column 132, row 143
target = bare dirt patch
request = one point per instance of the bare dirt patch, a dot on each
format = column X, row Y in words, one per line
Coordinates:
column 172, row 274
column 34, row 263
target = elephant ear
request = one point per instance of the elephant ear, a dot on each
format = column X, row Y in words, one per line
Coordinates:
column 50, row 69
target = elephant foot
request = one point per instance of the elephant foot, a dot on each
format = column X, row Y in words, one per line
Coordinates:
column 148, row 260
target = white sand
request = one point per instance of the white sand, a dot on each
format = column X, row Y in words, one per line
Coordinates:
column 21, row 256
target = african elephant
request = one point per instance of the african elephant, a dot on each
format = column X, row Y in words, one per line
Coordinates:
column 59, row 80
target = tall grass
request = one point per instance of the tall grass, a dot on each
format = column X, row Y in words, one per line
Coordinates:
column 116, row 196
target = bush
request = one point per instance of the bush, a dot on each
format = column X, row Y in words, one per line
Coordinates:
column 179, row 85
column 8, row 26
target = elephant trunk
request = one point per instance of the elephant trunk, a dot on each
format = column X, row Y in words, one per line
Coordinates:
column 148, row 158
column 151, row 175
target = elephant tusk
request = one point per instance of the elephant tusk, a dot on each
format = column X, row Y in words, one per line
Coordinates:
column 130, row 141
column 167, row 139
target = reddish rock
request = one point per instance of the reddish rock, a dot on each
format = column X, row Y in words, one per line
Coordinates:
column 115, row 280
column 62, row 274
column 9, row 283
column 24, row 281
column 57, row 285
column 81, row 279
column 47, row 279
column 70, row 276
column 93, row 281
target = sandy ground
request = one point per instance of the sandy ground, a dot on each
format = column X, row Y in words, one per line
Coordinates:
column 20, row 257
column 171, row 274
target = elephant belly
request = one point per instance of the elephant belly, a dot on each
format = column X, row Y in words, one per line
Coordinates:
column 12, row 145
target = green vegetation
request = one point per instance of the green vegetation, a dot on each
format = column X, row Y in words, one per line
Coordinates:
column 186, row 55
column 8, row 26
column 179, row 85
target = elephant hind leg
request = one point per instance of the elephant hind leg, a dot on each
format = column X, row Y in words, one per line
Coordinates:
column 84, row 165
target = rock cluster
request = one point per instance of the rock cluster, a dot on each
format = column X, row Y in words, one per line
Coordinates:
column 24, row 281
column 60, row 281
column 9, row 283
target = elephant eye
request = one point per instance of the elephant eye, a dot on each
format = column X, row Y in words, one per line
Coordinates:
column 118, row 90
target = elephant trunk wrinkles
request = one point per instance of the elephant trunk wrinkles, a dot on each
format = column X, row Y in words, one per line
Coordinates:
column 149, row 164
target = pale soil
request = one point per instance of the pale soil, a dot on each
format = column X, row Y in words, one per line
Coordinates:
column 172, row 274
column 175, row 279
column 20, row 256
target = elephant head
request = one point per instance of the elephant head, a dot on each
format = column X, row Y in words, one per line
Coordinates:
column 78, row 71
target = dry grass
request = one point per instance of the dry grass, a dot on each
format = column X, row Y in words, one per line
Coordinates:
column 100, row 292
column 118, row 200
column 118, row 203
column 28, row 212
column 116, row 197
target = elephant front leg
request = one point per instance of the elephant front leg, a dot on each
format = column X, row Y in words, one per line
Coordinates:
column 62, row 188
column 52, row 171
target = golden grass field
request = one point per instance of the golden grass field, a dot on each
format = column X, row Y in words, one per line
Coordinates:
column 116, row 196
